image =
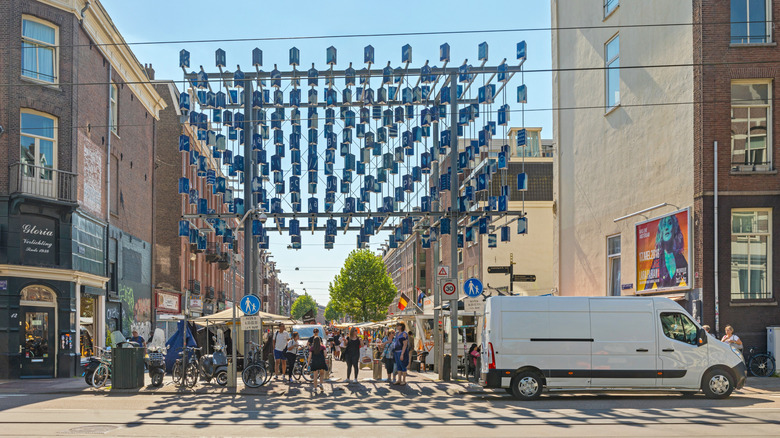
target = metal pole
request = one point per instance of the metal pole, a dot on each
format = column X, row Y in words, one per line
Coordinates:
column 233, row 381
column 454, row 191
column 249, row 167
column 436, row 206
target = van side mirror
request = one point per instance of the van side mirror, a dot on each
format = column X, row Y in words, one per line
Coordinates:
column 701, row 337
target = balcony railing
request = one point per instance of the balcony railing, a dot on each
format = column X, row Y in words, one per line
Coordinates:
column 194, row 286
column 43, row 182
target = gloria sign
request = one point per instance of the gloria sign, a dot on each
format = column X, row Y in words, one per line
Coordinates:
column 663, row 253
column 38, row 240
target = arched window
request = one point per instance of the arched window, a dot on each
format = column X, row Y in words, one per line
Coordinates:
column 38, row 294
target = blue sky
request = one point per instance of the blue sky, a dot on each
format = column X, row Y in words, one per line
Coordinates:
column 147, row 21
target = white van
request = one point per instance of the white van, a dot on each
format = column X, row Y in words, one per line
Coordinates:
column 599, row 343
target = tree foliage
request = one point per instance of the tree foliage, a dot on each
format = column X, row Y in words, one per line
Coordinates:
column 332, row 313
column 362, row 290
column 303, row 304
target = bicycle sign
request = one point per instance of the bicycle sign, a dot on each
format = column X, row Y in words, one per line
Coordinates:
column 250, row 304
column 449, row 290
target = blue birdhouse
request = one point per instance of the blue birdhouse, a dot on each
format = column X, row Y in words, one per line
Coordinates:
column 257, row 57
column 220, row 58
column 444, row 52
column 330, row 55
column 295, row 57
column 368, row 54
column 406, row 54
column 522, row 50
column 184, row 59
column 482, row 51
column 522, row 94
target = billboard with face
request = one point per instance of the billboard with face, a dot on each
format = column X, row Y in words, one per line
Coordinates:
column 663, row 253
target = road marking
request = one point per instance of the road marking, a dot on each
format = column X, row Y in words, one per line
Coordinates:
column 13, row 395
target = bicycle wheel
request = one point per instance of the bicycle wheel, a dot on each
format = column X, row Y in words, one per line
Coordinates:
column 254, row 376
column 762, row 365
column 305, row 370
column 191, row 375
column 177, row 372
column 101, row 376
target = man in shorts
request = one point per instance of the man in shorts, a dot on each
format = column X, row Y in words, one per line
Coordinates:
column 280, row 345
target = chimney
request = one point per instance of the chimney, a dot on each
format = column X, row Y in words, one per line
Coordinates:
column 149, row 71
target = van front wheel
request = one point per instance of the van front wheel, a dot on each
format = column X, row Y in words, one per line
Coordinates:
column 527, row 386
column 717, row 383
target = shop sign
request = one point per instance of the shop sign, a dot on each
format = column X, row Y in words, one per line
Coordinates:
column 663, row 253
column 38, row 240
column 3, row 284
column 168, row 302
column 196, row 304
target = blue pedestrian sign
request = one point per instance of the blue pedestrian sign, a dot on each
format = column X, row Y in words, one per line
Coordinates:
column 250, row 304
column 472, row 287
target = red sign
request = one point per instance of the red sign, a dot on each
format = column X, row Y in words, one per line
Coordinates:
column 449, row 289
column 168, row 302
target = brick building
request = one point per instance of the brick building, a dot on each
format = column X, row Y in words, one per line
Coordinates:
column 77, row 133
column 638, row 210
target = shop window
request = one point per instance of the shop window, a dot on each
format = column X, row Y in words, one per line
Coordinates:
column 39, row 50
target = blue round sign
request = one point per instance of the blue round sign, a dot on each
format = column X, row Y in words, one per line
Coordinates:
column 472, row 287
column 250, row 304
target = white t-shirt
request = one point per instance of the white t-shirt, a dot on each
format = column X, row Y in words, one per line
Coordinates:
column 292, row 346
column 281, row 340
column 732, row 339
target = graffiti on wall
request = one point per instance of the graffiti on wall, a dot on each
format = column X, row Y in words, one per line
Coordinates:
column 136, row 312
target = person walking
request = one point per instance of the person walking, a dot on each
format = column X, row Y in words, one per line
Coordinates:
column 280, row 345
column 292, row 355
column 352, row 353
column 318, row 364
column 401, row 352
column 387, row 355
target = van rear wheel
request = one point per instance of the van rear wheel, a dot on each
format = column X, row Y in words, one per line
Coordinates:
column 717, row 383
column 527, row 385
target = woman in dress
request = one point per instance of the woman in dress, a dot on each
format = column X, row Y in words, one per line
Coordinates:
column 352, row 353
column 318, row 364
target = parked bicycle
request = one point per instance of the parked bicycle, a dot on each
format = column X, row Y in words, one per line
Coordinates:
column 255, row 372
column 760, row 363
column 102, row 373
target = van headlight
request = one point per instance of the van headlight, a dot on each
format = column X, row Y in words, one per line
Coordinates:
column 737, row 352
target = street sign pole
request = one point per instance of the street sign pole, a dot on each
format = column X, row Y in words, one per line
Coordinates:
column 454, row 192
column 437, row 347
column 511, row 272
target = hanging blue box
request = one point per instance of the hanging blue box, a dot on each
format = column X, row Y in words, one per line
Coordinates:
column 444, row 52
column 444, row 225
column 521, row 137
column 238, row 80
column 492, row 241
column 295, row 57
column 368, row 54
column 505, row 234
column 522, row 182
column 482, row 51
column 184, row 228
column 522, row 225
column 184, row 59
column 184, row 143
column 522, row 50
column 257, row 57
column 522, row 94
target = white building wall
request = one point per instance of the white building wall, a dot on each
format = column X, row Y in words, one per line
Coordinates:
column 612, row 164
column 533, row 252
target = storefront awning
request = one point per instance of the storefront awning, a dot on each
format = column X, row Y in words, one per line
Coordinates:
column 53, row 274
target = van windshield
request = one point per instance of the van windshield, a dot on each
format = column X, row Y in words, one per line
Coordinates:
column 306, row 332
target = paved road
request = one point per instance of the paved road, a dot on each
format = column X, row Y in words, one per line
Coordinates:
column 424, row 409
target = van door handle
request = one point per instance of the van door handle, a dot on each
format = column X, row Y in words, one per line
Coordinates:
column 668, row 350
column 642, row 350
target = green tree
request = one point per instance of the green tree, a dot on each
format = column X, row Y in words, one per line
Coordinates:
column 363, row 289
column 332, row 313
column 303, row 304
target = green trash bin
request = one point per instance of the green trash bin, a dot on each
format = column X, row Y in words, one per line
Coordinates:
column 127, row 367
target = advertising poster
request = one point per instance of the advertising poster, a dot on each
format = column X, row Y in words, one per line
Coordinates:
column 663, row 253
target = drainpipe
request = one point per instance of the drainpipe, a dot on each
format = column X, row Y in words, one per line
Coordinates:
column 107, row 245
column 717, row 310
